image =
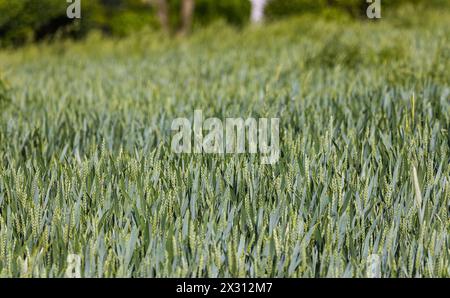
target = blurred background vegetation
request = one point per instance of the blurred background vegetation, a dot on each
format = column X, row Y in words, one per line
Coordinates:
column 24, row 21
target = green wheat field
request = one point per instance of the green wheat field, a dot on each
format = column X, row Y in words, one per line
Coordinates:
column 89, row 183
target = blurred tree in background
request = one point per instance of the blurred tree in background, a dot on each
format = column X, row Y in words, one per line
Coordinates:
column 356, row 8
column 23, row 21
column 186, row 14
column 30, row 20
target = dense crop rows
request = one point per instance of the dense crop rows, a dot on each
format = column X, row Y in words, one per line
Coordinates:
column 86, row 166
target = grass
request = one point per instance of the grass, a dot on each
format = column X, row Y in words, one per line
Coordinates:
column 364, row 107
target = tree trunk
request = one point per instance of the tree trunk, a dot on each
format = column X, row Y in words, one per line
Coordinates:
column 258, row 10
column 163, row 14
column 187, row 11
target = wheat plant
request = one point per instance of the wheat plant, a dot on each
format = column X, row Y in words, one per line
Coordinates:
column 89, row 186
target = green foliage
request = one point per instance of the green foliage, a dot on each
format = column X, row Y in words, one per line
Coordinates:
column 235, row 12
column 280, row 8
column 128, row 22
column 4, row 94
column 364, row 169
column 25, row 21
column 28, row 20
column 19, row 19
